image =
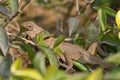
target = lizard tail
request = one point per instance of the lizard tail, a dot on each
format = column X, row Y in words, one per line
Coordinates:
column 91, row 59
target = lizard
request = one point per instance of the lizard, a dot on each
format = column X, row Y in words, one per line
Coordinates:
column 70, row 51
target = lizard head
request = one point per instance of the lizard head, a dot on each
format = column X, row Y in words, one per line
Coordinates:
column 28, row 25
column 32, row 28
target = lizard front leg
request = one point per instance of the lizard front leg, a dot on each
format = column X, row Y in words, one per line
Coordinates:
column 67, row 62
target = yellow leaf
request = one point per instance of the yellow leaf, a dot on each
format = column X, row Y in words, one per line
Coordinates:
column 119, row 35
column 16, row 65
column 29, row 73
column 96, row 75
column 118, row 19
column 1, row 78
column 17, row 70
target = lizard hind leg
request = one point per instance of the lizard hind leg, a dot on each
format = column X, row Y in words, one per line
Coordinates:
column 92, row 48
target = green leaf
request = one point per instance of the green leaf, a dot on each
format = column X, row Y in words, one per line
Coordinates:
column 51, row 56
column 3, row 41
column 113, row 74
column 16, row 65
column 16, row 70
column 98, row 3
column 55, row 74
column 28, row 74
column 80, row 76
column 29, row 50
column 108, row 11
column 14, row 78
column 114, row 58
column 58, row 51
column 4, row 11
column 39, row 63
column 111, row 39
column 78, row 40
column 102, row 19
column 47, row 34
column 73, row 23
column 119, row 35
column 39, row 39
column 96, row 75
column 92, row 32
column 5, row 64
column 1, row 21
column 118, row 19
column 58, row 41
column 13, row 4
column 80, row 66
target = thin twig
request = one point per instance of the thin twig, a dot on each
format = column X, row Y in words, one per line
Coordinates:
column 77, row 7
column 28, row 41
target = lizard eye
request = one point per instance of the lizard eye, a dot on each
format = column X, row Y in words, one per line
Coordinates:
column 30, row 27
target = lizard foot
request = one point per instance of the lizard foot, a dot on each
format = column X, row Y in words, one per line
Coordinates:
column 68, row 68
